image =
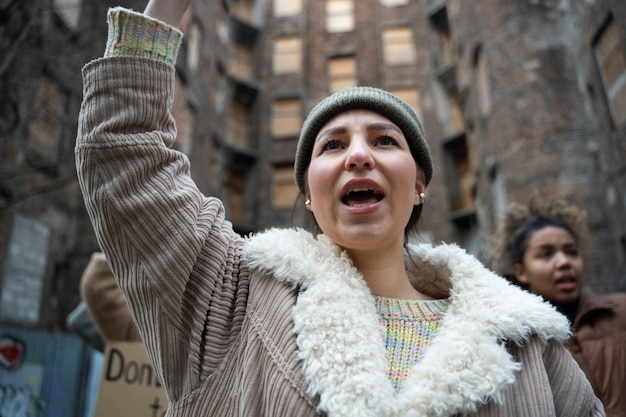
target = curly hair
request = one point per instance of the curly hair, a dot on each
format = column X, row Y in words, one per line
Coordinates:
column 520, row 221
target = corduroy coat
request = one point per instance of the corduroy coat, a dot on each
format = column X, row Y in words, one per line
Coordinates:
column 281, row 323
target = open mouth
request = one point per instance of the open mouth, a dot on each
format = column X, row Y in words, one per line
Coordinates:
column 359, row 197
column 566, row 282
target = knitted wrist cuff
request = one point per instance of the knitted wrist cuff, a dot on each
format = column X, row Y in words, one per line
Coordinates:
column 134, row 34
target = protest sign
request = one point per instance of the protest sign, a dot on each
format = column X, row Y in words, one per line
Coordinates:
column 128, row 384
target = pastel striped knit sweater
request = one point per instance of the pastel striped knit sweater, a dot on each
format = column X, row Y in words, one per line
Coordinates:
column 410, row 327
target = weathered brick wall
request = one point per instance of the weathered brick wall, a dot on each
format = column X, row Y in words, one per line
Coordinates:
column 548, row 131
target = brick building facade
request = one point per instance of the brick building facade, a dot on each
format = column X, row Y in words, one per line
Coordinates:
column 517, row 98
column 45, row 236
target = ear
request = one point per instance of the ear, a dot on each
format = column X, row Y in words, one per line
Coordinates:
column 520, row 275
column 420, row 187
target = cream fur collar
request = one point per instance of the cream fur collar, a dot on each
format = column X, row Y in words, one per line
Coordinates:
column 339, row 335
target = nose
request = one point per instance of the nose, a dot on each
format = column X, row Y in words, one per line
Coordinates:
column 359, row 156
column 562, row 260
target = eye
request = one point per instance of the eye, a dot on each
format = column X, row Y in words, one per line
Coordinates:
column 544, row 254
column 331, row 145
column 387, row 141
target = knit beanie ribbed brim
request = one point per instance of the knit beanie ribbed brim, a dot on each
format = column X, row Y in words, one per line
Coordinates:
column 375, row 99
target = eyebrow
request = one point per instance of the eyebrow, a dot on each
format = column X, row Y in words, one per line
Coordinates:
column 370, row 128
column 332, row 131
column 542, row 246
column 567, row 245
column 383, row 126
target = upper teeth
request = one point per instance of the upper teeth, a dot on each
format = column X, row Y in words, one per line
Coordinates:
column 356, row 190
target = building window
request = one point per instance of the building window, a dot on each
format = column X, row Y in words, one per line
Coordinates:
column 285, row 8
column 240, row 60
column 339, row 15
column 242, row 9
column 612, row 62
column 394, row 3
column 286, row 118
column 221, row 28
column 458, row 175
column 466, row 234
column 214, row 166
column 69, row 11
column 498, row 191
column 287, row 56
column 411, row 97
column 482, row 83
column 398, row 46
column 49, row 127
column 449, row 109
column 284, row 189
column 194, row 42
column 456, row 111
column 219, row 93
column 342, row 73
column 460, row 187
column 237, row 124
column 442, row 55
column 233, row 191
column 23, row 271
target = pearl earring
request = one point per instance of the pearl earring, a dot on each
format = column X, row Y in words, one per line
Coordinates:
column 422, row 197
column 307, row 204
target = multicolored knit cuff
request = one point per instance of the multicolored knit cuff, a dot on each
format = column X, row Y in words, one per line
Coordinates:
column 134, row 34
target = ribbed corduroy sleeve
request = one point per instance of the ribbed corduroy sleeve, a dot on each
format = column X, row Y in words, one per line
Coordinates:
column 174, row 255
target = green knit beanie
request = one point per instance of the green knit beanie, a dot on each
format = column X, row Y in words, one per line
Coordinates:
column 370, row 98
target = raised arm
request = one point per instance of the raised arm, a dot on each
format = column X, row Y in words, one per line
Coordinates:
column 167, row 11
column 172, row 251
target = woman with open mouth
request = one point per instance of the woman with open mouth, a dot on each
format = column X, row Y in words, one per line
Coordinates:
column 349, row 319
column 540, row 244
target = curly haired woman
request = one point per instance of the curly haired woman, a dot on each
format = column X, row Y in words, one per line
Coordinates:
column 538, row 247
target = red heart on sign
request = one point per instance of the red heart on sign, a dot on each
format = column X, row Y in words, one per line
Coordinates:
column 11, row 352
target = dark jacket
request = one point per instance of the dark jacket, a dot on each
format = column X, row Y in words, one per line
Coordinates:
column 598, row 344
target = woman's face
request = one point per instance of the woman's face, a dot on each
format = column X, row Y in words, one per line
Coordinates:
column 363, row 181
column 552, row 266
